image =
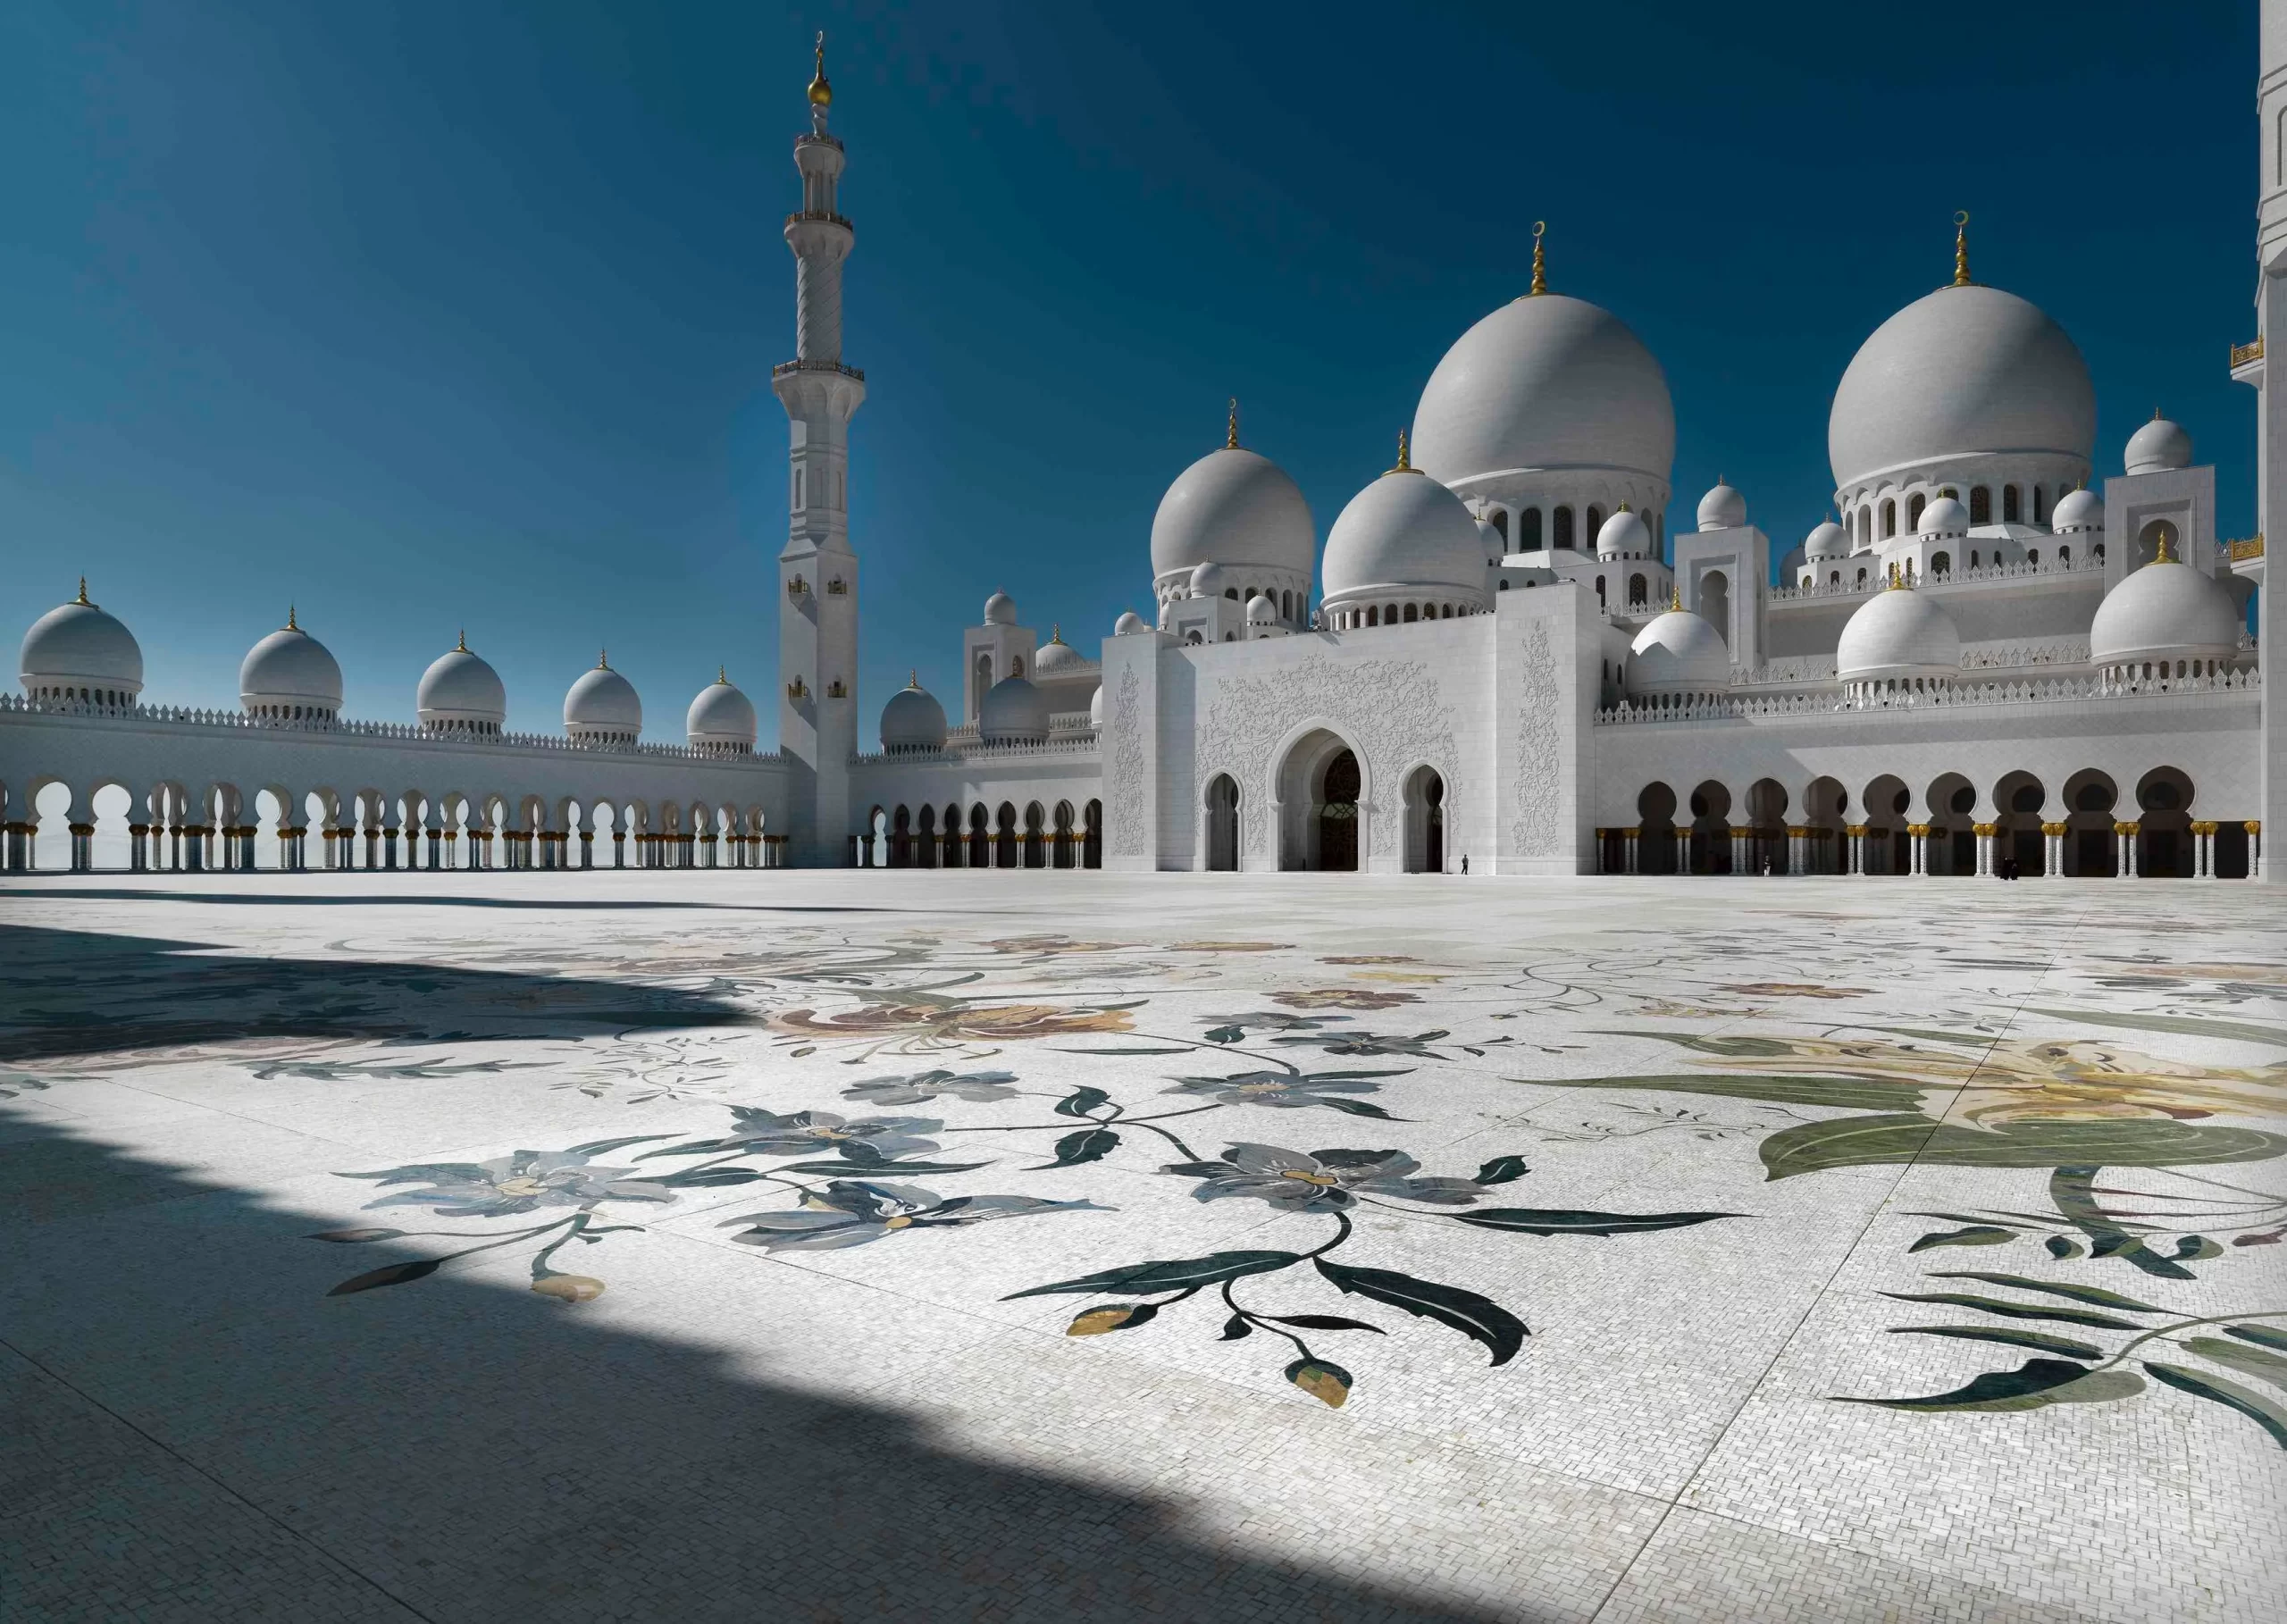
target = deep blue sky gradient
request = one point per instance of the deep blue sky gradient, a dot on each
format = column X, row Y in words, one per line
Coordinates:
column 426, row 315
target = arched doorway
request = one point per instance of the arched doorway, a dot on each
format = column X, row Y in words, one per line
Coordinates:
column 1222, row 825
column 2163, row 825
column 1320, row 788
column 1425, row 822
column 2090, row 797
column 1336, row 812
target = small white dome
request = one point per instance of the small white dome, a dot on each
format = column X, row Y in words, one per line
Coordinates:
column 2165, row 611
column 1404, row 534
column 1233, row 506
column 1679, row 652
column 1055, row 657
column 721, row 719
column 460, row 693
column 1000, row 610
column 1943, row 517
column 1624, row 535
column 1129, row 623
column 1722, row 508
column 1012, row 712
column 1960, row 372
column 289, row 672
column 2158, row 446
column 1826, row 540
column 1207, row 581
column 1261, row 611
column 913, row 720
column 601, row 706
column 1096, row 707
column 77, row 646
column 2077, row 510
column 1898, row 632
column 1546, row 382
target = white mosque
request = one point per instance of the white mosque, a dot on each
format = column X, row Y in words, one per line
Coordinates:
column 1994, row 657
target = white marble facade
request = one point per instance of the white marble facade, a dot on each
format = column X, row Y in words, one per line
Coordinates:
column 1980, row 663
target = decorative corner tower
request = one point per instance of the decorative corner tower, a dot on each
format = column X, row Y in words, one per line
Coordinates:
column 817, row 574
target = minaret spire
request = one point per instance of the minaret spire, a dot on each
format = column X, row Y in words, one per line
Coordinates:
column 1540, row 262
column 1961, row 249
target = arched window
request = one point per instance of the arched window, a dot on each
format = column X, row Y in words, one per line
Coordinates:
column 1600, row 592
column 2009, row 507
column 2064, row 558
column 1913, row 506
column 1861, row 577
column 1373, row 614
column 1501, row 525
column 1232, row 593
column 2037, row 512
column 1595, row 523
column 1889, row 520
column 1972, row 558
column 1834, row 577
column 1636, row 591
column 1287, row 606
column 1942, row 564
column 2098, row 552
column 1529, row 531
column 2032, row 555
column 1981, row 505
column 1565, row 527
column 1411, row 615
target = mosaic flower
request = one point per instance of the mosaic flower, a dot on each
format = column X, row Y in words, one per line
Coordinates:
column 1342, row 998
column 761, row 1133
column 953, row 1019
column 1792, row 989
column 1374, row 1043
column 522, row 1182
column 1227, row 946
column 1371, row 958
column 1273, row 1020
column 1052, row 944
column 1286, row 1088
column 847, row 1213
column 923, row 1086
column 1319, row 1180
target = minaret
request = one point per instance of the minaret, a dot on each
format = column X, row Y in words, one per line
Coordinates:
column 817, row 574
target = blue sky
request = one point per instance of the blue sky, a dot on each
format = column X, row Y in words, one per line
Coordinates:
column 425, row 316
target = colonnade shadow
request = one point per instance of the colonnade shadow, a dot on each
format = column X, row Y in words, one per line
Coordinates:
column 199, row 1432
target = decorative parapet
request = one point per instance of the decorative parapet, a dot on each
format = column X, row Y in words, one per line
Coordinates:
column 2015, row 656
column 2251, row 548
column 1875, row 579
column 1941, row 696
column 238, row 721
column 971, row 750
column 2242, row 354
column 785, row 367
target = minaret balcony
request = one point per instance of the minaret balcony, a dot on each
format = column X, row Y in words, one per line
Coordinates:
column 821, row 215
column 2247, row 361
column 786, row 367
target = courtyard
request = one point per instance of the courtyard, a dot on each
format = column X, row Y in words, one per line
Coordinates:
column 800, row 1245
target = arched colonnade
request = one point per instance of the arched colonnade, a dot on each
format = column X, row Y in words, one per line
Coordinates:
column 982, row 835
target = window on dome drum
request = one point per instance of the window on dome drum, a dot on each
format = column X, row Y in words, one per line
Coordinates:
column 1565, row 527
column 1636, row 589
column 2037, row 507
column 1889, row 520
column 1529, row 531
column 1501, row 525
column 1411, row 613
column 1595, row 521
column 1942, row 564
column 1914, row 511
column 1981, row 505
column 2009, row 508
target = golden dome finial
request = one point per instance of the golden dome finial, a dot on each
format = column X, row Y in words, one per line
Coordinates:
column 912, row 678
column 1056, row 632
column 83, row 591
column 1622, row 507
column 1896, row 581
column 1540, row 262
column 2162, row 557
column 821, row 93
column 1675, row 598
column 462, row 646
column 1404, row 456
column 290, row 626
column 603, row 659
column 1960, row 248
column 1231, row 434
column 723, row 672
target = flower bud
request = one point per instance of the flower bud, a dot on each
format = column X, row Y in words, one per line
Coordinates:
column 569, row 1288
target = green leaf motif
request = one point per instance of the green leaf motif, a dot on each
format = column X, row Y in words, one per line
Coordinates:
column 2059, row 1247
column 353, row 1236
column 2263, row 1335
column 2253, row 1361
column 1080, row 1102
column 1562, row 1220
column 1895, row 1138
column 1976, row 1235
column 1355, row 1108
column 1166, row 1273
column 1234, row 1327
column 1850, row 1093
column 2018, row 1311
column 1503, row 1170
column 2074, row 1190
column 869, row 1170
column 1480, row 1318
column 2190, row 1025
column 2095, row 1294
column 2040, row 1342
column 2249, row 1402
column 1324, row 1322
column 1225, row 1035
column 2035, row 1383
column 1089, row 1145
column 394, row 1273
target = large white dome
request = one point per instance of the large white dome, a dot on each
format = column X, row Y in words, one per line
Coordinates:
column 1679, row 652
column 289, row 673
column 77, row 650
column 1898, row 632
column 1012, row 712
column 1965, row 372
column 603, row 708
column 721, row 719
column 460, row 693
column 913, row 720
column 1403, row 535
column 1234, row 507
column 1546, row 382
column 2166, row 610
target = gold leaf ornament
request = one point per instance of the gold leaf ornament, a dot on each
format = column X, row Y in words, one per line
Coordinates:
column 1117, row 1317
column 1329, row 1383
column 570, row 1288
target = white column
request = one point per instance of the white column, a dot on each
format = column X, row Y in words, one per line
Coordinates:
column 1742, row 839
column 1629, row 838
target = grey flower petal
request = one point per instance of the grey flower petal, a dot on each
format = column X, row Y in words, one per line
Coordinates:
column 1270, row 1158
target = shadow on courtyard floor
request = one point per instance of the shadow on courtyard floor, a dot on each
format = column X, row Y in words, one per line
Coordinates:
column 202, row 1432
column 87, row 993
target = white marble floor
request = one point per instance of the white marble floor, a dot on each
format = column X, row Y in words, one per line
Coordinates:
column 853, row 1247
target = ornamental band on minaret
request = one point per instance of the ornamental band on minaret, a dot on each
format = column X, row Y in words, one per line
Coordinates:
column 818, row 613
